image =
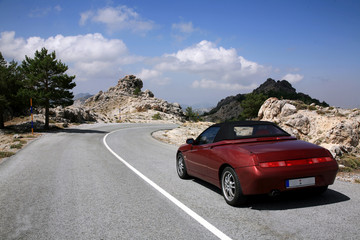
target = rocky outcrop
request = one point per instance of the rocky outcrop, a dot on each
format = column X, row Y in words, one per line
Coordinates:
column 129, row 84
column 72, row 114
column 334, row 128
column 126, row 102
column 270, row 85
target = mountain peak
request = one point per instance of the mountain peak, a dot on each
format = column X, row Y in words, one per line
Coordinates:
column 129, row 84
column 270, row 85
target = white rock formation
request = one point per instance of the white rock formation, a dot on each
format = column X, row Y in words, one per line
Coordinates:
column 334, row 128
column 126, row 102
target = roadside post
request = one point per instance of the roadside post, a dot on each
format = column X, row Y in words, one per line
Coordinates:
column 32, row 117
column 119, row 115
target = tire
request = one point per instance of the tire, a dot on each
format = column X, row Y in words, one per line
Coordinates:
column 181, row 167
column 231, row 188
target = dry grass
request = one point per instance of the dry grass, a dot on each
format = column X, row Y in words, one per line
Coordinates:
column 5, row 154
column 17, row 146
column 12, row 140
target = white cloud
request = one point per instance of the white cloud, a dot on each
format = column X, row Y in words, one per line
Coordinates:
column 153, row 76
column 183, row 27
column 218, row 67
column 149, row 74
column 87, row 47
column 211, row 84
column 84, row 17
column 43, row 11
column 293, row 78
column 89, row 56
column 202, row 57
column 117, row 19
column 183, row 30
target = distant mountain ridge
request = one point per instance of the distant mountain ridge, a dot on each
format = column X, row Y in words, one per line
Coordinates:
column 230, row 107
column 283, row 89
column 82, row 96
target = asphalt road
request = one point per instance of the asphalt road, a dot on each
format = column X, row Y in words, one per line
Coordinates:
column 69, row 185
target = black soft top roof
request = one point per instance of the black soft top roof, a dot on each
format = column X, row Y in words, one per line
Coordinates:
column 226, row 131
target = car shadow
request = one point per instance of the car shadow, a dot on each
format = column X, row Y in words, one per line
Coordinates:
column 295, row 199
column 76, row 130
column 286, row 200
column 207, row 185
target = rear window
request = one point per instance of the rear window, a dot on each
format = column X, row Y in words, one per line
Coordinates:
column 266, row 130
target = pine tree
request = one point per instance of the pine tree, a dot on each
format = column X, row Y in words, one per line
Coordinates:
column 46, row 82
column 251, row 105
column 3, row 89
column 9, row 86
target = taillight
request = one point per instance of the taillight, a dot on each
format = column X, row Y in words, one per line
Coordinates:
column 273, row 164
column 322, row 159
column 299, row 162
column 290, row 163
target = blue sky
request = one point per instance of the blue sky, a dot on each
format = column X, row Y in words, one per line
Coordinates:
column 195, row 52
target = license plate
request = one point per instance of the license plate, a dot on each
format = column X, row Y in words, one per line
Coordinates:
column 300, row 182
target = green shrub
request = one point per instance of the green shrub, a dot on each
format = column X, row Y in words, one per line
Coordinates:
column 345, row 169
column 156, row 116
column 311, row 108
column 137, row 91
column 6, row 154
column 17, row 146
column 350, row 161
column 301, row 106
column 191, row 115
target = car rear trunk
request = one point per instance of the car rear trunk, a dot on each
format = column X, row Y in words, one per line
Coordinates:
column 269, row 151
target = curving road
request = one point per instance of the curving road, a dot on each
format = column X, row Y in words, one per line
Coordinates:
column 77, row 184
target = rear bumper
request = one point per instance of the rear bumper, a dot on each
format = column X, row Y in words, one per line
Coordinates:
column 258, row 180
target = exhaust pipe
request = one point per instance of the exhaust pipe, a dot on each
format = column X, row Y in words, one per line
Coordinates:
column 274, row 193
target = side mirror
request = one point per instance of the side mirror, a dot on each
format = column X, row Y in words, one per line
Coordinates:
column 190, row 141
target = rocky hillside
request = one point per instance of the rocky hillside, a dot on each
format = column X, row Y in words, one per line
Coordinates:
column 333, row 128
column 230, row 108
column 227, row 108
column 126, row 102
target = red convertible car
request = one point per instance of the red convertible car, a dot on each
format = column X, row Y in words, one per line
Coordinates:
column 255, row 157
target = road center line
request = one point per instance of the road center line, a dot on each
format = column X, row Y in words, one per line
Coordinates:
column 182, row 206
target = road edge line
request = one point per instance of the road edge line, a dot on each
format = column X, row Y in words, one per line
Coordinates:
column 182, row 206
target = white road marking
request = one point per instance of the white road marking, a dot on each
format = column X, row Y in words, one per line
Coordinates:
column 182, row 206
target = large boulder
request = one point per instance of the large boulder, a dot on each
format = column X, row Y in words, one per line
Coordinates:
column 334, row 128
